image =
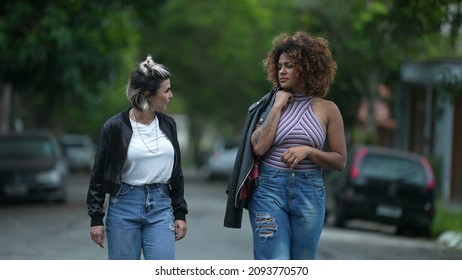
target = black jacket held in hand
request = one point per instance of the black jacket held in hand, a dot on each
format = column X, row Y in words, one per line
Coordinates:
column 111, row 153
column 245, row 159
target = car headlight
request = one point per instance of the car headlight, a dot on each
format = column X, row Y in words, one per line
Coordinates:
column 52, row 176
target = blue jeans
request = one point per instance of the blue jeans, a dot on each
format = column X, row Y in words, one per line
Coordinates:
column 140, row 218
column 287, row 213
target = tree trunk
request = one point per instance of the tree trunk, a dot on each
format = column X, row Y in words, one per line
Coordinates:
column 5, row 108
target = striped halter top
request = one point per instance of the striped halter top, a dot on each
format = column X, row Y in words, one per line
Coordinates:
column 298, row 126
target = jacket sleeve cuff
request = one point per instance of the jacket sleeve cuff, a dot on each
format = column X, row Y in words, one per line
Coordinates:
column 180, row 215
column 97, row 220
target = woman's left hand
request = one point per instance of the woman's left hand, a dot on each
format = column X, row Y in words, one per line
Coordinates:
column 180, row 229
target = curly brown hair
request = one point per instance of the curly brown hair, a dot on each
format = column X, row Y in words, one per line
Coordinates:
column 312, row 59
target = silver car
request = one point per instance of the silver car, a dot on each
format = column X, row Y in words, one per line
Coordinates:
column 79, row 150
column 220, row 163
column 32, row 167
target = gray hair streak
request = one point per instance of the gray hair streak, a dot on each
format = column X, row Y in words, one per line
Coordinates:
column 146, row 77
column 149, row 67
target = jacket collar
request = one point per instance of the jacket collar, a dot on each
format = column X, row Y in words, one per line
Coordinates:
column 126, row 118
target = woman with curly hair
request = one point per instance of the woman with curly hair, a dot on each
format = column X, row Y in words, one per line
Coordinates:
column 287, row 208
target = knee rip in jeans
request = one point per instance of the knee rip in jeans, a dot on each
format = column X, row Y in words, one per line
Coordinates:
column 171, row 227
column 266, row 225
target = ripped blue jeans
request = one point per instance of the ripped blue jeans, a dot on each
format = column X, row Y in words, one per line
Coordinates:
column 287, row 213
column 140, row 219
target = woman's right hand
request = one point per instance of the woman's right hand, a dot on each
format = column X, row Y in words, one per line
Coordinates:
column 97, row 235
column 282, row 98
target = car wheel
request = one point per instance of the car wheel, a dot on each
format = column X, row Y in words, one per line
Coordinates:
column 401, row 230
column 407, row 231
column 61, row 198
column 423, row 231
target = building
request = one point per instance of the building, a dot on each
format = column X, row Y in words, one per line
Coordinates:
column 428, row 105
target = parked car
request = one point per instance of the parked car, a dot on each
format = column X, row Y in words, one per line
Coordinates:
column 32, row 167
column 388, row 186
column 79, row 150
column 220, row 163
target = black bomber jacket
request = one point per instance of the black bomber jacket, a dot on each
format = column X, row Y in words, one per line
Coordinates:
column 111, row 153
column 245, row 159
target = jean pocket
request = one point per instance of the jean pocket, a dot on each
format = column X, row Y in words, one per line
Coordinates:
column 263, row 178
column 163, row 192
column 317, row 182
column 124, row 189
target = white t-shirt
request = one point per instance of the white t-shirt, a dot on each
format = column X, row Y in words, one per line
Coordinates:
column 150, row 161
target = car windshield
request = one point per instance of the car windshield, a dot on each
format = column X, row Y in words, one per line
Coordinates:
column 393, row 168
column 76, row 141
column 15, row 148
column 74, row 145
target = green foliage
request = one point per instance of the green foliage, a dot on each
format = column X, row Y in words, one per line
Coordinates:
column 209, row 53
column 436, row 164
column 69, row 61
column 215, row 50
column 451, row 85
column 362, row 137
column 60, row 56
column 370, row 40
column 446, row 219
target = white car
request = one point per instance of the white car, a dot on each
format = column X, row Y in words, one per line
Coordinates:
column 79, row 150
column 220, row 164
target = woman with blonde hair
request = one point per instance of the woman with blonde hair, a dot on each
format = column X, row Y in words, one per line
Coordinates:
column 138, row 163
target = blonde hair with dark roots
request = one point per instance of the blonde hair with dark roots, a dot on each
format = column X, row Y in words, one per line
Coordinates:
column 144, row 81
column 312, row 60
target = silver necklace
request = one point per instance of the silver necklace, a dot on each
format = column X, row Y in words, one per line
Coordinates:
column 155, row 129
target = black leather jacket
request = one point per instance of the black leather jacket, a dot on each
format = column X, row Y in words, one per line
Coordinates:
column 245, row 158
column 111, row 153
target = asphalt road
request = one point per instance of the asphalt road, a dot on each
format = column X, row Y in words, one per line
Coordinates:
column 43, row 231
column 61, row 232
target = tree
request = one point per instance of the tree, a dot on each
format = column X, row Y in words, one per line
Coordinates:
column 370, row 40
column 215, row 50
column 59, row 57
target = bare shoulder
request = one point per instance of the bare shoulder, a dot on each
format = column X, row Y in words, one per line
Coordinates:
column 324, row 103
column 323, row 107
